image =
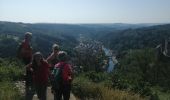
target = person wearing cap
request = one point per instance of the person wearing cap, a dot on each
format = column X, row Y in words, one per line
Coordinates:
column 25, row 54
column 40, row 69
column 65, row 88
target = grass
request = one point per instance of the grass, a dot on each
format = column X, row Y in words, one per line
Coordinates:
column 85, row 89
column 110, row 94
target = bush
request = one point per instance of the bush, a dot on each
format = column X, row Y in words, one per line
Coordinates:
column 142, row 88
column 97, row 77
column 11, row 70
column 85, row 89
column 8, row 91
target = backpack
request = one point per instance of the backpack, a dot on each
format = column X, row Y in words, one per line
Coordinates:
column 57, row 80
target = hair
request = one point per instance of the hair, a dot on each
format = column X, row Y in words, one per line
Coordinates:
column 55, row 46
column 62, row 56
column 28, row 33
column 34, row 63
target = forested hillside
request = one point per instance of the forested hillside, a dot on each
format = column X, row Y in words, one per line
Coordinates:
column 136, row 38
column 44, row 36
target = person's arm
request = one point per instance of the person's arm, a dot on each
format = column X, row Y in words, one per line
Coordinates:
column 29, row 68
column 50, row 58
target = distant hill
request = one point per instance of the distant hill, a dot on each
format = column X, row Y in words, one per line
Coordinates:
column 116, row 26
column 44, row 28
column 66, row 29
column 136, row 38
column 66, row 35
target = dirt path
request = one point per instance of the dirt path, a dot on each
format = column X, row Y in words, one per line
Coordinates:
column 50, row 96
column 21, row 86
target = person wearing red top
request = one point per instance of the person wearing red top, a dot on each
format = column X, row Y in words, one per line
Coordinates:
column 25, row 54
column 65, row 88
column 40, row 69
column 25, row 50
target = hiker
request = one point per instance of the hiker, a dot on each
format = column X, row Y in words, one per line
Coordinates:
column 25, row 50
column 40, row 69
column 62, row 73
column 53, row 58
column 25, row 54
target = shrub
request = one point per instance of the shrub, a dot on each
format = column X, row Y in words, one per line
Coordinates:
column 85, row 89
column 8, row 91
column 97, row 77
column 11, row 70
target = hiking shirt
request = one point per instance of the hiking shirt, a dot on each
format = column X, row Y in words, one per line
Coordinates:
column 40, row 73
column 26, row 50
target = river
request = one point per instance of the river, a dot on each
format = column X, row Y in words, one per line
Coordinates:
column 111, row 64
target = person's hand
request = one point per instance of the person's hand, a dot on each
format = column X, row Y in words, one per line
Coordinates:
column 70, row 79
column 31, row 69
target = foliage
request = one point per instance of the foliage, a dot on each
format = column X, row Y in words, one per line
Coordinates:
column 110, row 94
column 85, row 89
column 11, row 70
column 138, row 65
column 97, row 77
column 139, row 70
column 8, row 91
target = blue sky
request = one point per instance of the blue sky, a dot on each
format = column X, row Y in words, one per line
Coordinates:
column 85, row 11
